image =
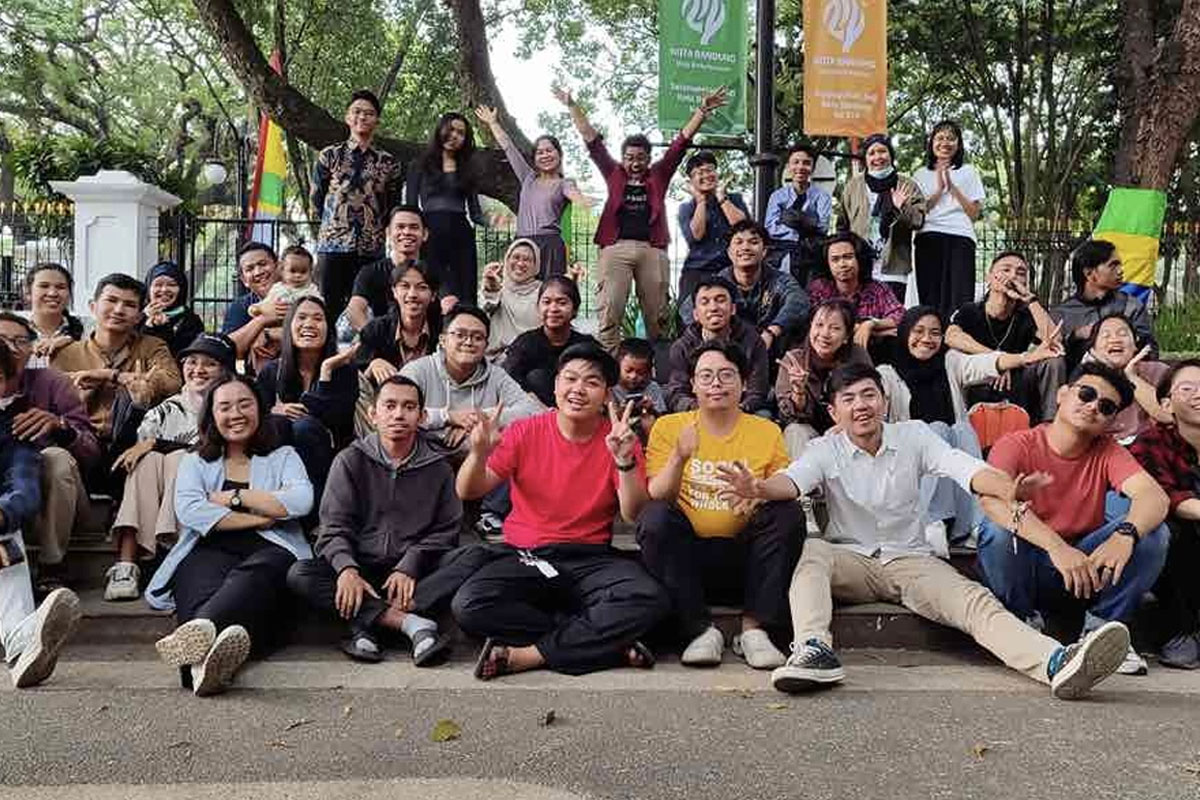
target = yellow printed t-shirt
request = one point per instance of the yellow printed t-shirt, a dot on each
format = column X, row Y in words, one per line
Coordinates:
column 755, row 441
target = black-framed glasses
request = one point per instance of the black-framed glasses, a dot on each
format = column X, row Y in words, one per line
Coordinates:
column 1089, row 394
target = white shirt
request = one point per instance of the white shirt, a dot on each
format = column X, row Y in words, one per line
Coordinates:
column 875, row 501
column 948, row 216
column 962, row 370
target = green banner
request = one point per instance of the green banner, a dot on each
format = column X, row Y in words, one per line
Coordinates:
column 702, row 46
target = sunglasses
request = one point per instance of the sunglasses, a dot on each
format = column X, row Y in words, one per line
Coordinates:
column 1088, row 394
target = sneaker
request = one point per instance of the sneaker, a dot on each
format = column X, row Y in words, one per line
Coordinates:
column 1073, row 670
column 1133, row 664
column 228, row 653
column 122, row 582
column 756, row 648
column 810, row 665
column 56, row 617
column 188, row 644
column 1182, row 652
column 705, row 650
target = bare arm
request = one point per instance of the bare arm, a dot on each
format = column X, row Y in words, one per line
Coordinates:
column 474, row 479
column 244, row 337
column 1149, row 504
column 960, row 340
column 356, row 312
column 578, row 117
column 666, row 483
column 699, row 221
column 710, row 103
column 1188, row 509
column 241, row 521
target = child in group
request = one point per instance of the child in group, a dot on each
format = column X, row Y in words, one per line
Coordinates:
column 295, row 280
column 635, row 364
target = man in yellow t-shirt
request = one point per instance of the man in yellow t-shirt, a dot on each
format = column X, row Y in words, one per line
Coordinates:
column 699, row 545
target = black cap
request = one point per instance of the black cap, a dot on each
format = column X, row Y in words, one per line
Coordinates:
column 216, row 346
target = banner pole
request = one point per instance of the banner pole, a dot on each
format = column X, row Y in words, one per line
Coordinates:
column 764, row 159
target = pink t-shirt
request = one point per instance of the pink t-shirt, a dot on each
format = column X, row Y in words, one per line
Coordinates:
column 562, row 491
column 1073, row 505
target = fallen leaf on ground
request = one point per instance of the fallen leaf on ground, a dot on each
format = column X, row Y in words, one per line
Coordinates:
column 777, row 706
column 347, row 711
column 1193, row 769
column 279, row 744
column 547, row 718
column 979, row 750
column 102, row 708
column 178, row 744
column 446, row 730
column 291, row 726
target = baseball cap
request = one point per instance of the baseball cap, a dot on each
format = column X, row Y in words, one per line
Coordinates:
column 216, row 346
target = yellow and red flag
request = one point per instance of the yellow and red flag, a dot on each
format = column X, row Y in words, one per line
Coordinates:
column 270, row 169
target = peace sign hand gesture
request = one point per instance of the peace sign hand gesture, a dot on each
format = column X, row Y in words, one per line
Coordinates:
column 485, row 435
column 1131, row 367
column 621, row 438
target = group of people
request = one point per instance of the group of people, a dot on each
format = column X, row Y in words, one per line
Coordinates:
column 270, row 462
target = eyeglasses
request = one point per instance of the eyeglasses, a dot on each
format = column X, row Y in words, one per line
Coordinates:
column 1186, row 391
column 16, row 342
column 722, row 376
column 1089, row 394
column 468, row 336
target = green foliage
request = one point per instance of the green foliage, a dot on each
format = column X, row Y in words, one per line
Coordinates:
column 1176, row 329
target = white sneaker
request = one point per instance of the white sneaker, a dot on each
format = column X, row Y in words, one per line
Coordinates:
column 1133, row 664
column 122, row 581
column 228, row 653
column 705, row 650
column 188, row 644
column 56, row 617
column 757, row 649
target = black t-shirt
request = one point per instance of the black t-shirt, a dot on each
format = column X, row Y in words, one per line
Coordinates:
column 1013, row 335
column 634, row 217
column 531, row 353
column 374, row 284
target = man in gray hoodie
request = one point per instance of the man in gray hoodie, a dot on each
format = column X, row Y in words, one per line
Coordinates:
column 388, row 515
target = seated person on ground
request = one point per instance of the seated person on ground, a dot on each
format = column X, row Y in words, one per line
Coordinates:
column 510, row 295
column 767, row 298
column 532, row 358
column 48, row 289
column 1096, row 271
column 295, row 281
column 713, row 312
column 1078, row 539
column 875, row 549
column 1114, row 343
column 119, row 372
column 167, row 315
column 460, row 386
column 798, row 215
column 48, row 414
column 31, row 636
column 1010, row 319
column 371, row 296
column 845, row 273
column 257, row 337
column 804, row 374
column 239, row 498
column 635, row 381
column 388, row 516
column 556, row 594
column 147, row 509
column 1170, row 453
column 702, row 547
column 704, row 220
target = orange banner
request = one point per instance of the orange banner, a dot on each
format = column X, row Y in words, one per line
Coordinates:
column 845, row 67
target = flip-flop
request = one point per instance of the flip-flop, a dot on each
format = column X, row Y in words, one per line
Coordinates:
column 435, row 653
column 644, row 653
column 485, row 658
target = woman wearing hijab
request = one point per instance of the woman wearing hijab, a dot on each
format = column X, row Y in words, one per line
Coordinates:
column 885, row 207
column 510, row 295
column 167, row 315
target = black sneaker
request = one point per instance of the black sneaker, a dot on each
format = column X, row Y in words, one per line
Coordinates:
column 810, row 666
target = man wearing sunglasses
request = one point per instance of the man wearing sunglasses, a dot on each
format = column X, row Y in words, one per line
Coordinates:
column 1077, row 538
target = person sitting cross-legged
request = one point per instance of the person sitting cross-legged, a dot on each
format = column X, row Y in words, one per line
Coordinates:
column 556, row 594
column 700, row 546
column 875, row 549
column 388, row 516
column 1079, row 539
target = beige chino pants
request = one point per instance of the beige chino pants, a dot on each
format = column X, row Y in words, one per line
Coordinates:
column 148, row 505
column 64, row 500
column 624, row 262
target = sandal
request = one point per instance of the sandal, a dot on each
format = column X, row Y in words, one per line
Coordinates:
column 644, row 656
column 428, row 648
column 487, row 667
column 362, row 647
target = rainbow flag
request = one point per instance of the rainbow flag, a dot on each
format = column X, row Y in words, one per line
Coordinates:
column 1132, row 220
column 270, row 172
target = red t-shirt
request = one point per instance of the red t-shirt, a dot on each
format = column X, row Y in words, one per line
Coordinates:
column 1073, row 505
column 562, row 491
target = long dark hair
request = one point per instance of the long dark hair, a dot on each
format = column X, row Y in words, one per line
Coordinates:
column 465, row 157
column 841, row 308
column 211, row 444
column 288, row 383
column 864, row 253
column 433, row 312
column 554, row 142
column 960, row 154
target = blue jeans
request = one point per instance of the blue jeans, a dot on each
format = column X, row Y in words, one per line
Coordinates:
column 1021, row 575
column 945, row 499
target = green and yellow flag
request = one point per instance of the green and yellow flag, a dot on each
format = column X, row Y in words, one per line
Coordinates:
column 270, row 170
column 1132, row 221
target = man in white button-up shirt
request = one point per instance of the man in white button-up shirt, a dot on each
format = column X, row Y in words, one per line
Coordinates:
column 875, row 547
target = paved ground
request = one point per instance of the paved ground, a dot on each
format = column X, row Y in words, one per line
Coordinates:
column 307, row 724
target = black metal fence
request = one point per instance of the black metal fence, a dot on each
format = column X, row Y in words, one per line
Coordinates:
column 31, row 233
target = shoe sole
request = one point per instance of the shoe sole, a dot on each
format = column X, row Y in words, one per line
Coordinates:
column 228, row 653
column 798, row 680
column 121, row 595
column 57, row 617
column 188, row 644
column 1099, row 657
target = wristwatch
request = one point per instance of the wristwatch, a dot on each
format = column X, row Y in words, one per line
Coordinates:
column 1127, row 529
column 235, row 501
column 625, row 467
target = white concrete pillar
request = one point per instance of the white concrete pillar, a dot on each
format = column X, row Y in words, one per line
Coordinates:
column 116, row 228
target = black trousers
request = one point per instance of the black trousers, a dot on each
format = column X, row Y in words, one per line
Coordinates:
column 315, row 581
column 553, row 254
column 235, row 578
column 752, row 569
column 450, row 253
column 945, row 266
column 337, row 272
column 581, row 620
column 1177, row 589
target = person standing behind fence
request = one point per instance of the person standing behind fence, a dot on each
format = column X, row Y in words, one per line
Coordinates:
column 945, row 246
column 632, row 233
column 545, row 193
column 353, row 186
column 443, row 183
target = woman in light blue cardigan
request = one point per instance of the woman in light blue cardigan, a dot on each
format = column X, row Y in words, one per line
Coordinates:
column 238, row 499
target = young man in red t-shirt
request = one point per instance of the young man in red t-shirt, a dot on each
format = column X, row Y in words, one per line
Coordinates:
column 561, row 597
column 1077, row 538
